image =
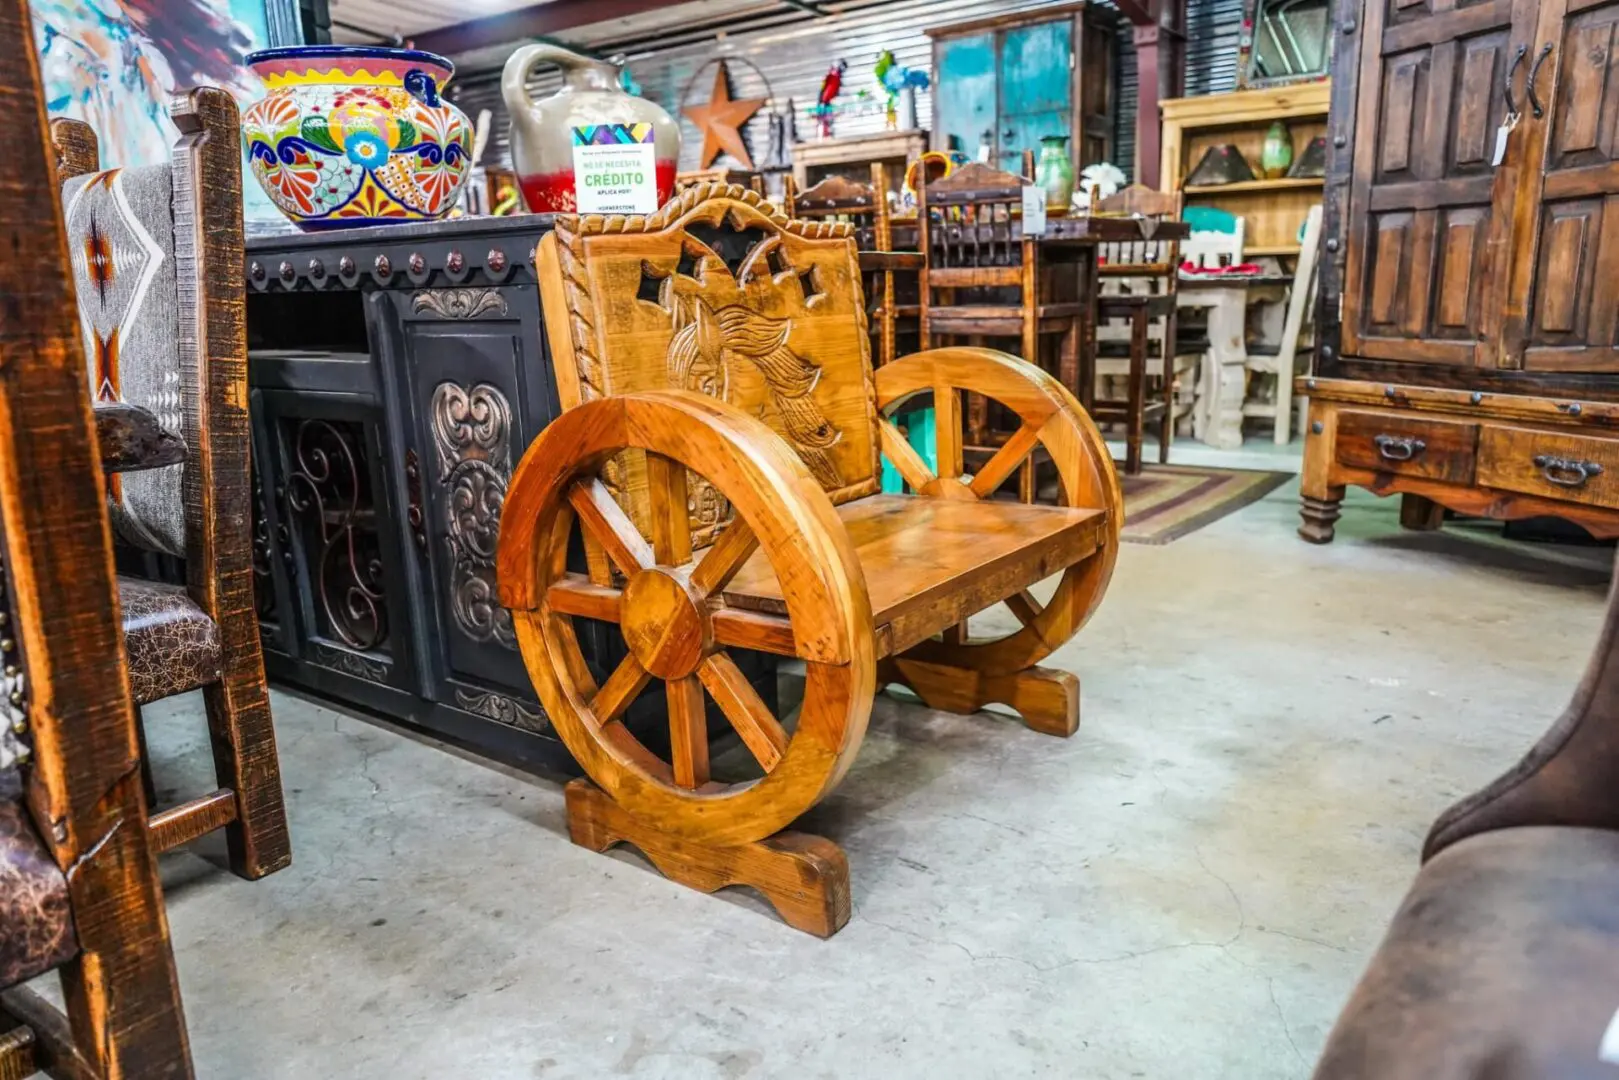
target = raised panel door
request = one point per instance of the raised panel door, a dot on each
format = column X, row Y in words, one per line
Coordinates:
column 965, row 93
column 1427, row 213
column 1036, row 86
column 1573, row 308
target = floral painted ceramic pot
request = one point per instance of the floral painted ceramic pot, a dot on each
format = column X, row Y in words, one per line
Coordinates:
column 351, row 136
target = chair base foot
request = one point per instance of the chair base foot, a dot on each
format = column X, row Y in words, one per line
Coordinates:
column 805, row 877
column 1318, row 519
column 1046, row 699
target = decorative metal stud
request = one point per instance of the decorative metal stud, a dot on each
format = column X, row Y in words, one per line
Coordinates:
column 1316, row 427
column 288, row 274
column 417, row 263
column 256, row 271
column 1388, row 391
column 345, row 266
column 1309, row 384
column 16, row 697
column 1332, row 243
column 1340, row 140
column 1476, row 397
column 1349, row 26
column 1326, row 353
column 453, row 262
column 5, row 618
column 7, row 644
column 19, row 727
column 384, row 267
column 496, row 260
column 1574, row 409
column 317, row 268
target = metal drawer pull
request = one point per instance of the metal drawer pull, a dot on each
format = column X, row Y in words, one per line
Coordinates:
column 1567, row 472
column 1398, row 447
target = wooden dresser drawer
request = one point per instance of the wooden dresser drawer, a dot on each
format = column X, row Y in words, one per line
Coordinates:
column 1406, row 444
column 1554, row 465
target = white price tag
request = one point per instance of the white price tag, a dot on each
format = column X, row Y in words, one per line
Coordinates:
column 1502, row 133
column 613, row 169
column 1034, row 210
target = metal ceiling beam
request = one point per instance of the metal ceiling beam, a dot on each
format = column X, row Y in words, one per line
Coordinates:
column 805, row 5
column 530, row 22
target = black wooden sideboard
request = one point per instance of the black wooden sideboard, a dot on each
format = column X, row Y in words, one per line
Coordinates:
column 397, row 374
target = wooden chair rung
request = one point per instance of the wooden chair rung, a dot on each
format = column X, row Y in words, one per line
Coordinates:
column 17, row 1054
column 193, row 819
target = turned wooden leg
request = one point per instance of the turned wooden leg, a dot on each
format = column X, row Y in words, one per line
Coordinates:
column 1046, row 699
column 1319, row 498
column 805, row 877
column 1319, row 517
column 1420, row 514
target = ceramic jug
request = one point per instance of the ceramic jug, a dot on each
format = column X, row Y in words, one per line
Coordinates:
column 1055, row 173
column 590, row 147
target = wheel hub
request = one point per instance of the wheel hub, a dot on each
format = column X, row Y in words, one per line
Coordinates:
column 665, row 623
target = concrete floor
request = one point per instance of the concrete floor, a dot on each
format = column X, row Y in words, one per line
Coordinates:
column 1187, row 888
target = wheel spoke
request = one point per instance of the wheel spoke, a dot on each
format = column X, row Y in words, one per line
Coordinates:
column 1024, row 606
column 1006, row 460
column 688, row 732
column 740, row 703
column 619, row 690
column 605, row 522
column 904, row 456
column 671, row 516
column 725, row 557
column 947, row 430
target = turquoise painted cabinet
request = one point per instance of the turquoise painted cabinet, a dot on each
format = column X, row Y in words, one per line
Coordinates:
column 1014, row 79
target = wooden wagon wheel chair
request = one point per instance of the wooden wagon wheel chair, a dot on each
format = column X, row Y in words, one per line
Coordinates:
column 719, row 452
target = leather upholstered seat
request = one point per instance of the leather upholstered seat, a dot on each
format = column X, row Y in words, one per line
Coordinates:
column 36, row 924
column 173, row 645
column 1503, row 962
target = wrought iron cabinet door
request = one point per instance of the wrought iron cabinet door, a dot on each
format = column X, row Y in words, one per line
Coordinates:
column 330, row 592
column 470, row 373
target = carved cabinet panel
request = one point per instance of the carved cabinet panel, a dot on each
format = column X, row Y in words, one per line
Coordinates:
column 1574, row 307
column 1483, row 224
column 1424, row 204
column 472, row 385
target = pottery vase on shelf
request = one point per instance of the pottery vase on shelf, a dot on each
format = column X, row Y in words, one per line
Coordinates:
column 1277, row 152
column 1055, row 173
column 590, row 147
column 353, row 135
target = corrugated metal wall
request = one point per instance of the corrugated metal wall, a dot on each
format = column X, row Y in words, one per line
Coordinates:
column 794, row 50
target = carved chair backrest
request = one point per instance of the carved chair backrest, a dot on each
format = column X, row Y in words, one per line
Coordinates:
column 719, row 292
column 156, row 252
column 865, row 206
column 745, row 177
column 966, row 222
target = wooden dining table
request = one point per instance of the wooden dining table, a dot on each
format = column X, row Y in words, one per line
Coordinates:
column 1069, row 246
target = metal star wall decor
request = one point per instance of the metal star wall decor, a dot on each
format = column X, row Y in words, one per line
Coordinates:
column 721, row 122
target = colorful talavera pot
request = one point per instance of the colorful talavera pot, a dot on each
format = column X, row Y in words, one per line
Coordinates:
column 349, row 136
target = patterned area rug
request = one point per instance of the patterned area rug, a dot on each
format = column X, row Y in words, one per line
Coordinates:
column 1166, row 502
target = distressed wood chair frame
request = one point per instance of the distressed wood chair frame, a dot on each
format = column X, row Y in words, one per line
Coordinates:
column 1139, row 282
column 965, row 232
column 217, row 492
column 866, row 207
column 804, row 557
column 123, row 1016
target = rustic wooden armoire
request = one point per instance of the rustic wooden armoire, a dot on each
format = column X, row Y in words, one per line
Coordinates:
column 1472, row 222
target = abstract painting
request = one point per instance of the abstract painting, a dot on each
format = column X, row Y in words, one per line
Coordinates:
column 115, row 63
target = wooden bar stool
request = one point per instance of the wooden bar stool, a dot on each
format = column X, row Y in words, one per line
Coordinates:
column 79, row 890
column 1138, row 280
column 983, row 281
column 157, row 254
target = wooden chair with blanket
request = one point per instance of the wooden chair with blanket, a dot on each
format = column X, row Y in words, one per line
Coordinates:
column 719, row 448
column 157, row 254
column 79, row 890
column 1503, row 961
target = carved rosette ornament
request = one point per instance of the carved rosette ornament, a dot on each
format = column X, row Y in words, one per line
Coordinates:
column 459, row 303
column 503, row 710
column 472, row 430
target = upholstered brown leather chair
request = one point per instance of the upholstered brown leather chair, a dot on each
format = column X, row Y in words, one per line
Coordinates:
column 1503, row 961
column 79, row 889
column 157, row 255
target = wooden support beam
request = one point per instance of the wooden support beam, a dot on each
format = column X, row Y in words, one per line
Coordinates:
column 190, row 820
column 538, row 20
column 1160, row 40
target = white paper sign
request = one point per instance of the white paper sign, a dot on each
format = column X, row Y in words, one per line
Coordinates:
column 1034, row 210
column 614, row 177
